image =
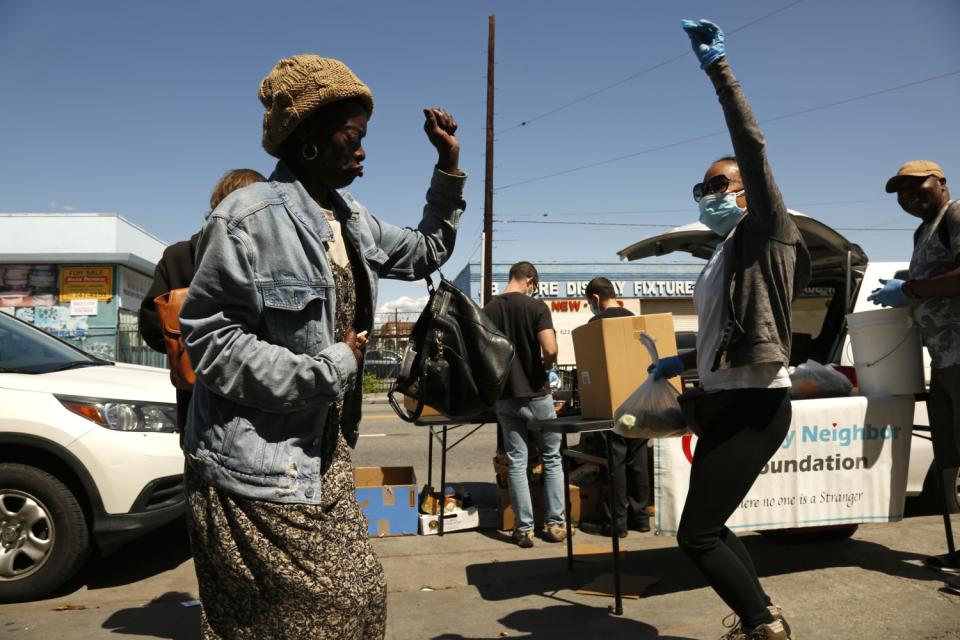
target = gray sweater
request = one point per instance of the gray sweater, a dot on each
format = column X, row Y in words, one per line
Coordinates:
column 770, row 263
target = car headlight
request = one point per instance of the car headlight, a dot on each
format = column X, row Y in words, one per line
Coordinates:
column 121, row 415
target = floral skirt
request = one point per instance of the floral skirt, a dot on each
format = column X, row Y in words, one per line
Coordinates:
column 283, row 571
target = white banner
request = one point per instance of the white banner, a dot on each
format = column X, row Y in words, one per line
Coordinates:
column 843, row 461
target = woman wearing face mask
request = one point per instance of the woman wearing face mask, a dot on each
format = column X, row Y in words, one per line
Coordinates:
column 286, row 280
column 743, row 300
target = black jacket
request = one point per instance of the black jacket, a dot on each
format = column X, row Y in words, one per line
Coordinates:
column 174, row 271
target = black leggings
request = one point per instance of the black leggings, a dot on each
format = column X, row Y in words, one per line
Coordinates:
column 742, row 435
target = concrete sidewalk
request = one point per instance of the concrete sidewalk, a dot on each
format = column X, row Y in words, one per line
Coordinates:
column 473, row 585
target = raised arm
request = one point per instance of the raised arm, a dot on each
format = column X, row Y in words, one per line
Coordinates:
column 767, row 213
column 411, row 254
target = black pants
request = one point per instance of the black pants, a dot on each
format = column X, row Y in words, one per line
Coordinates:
column 741, row 433
column 631, row 480
column 943, row 407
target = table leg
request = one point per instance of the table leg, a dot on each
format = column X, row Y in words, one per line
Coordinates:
column 443, row 479
column 614, row 536
column 429, row 456
column 566, row 501
column 941, row 491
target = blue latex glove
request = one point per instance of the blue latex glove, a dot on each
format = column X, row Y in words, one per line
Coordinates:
column 669, row 367
column 890, row 294
column 554, row 378
column 707, row 41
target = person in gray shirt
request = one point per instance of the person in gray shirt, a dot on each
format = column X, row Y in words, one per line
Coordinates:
column 743, row 300
column 932, row 291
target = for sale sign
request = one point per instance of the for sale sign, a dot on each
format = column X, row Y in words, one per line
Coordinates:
column 86, row 282
column 843, row 461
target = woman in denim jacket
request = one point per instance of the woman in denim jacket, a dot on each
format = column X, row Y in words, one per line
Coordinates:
column 287, row 277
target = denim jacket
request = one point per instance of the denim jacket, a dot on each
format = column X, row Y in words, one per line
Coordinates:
column 258, row 327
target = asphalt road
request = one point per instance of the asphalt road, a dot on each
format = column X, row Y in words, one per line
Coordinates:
column 473, row 585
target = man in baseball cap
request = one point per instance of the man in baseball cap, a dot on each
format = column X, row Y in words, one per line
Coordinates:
column 911, row 171
column 932, row 291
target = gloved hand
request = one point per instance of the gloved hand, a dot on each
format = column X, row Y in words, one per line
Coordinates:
column 554, row 379
column 669, row 367
column 707, row 41
column 890, row 294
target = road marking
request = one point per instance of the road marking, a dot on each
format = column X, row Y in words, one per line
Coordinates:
column 373, row 435
column 386, row 417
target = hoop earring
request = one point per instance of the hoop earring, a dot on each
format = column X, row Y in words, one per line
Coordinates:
column 309, row 155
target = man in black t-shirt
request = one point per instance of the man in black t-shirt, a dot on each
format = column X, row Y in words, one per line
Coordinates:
column 526, row 398
column 631, row 476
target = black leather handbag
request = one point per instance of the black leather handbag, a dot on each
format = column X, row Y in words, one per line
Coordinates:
column 457, row 361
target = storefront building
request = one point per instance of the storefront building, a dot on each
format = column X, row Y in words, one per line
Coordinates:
column 80, row 277
column 641, row 288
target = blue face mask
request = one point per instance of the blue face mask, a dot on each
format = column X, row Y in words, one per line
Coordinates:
column 720, row 212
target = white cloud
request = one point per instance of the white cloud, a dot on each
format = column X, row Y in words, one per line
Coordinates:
column 404, row 304
column 61, row 207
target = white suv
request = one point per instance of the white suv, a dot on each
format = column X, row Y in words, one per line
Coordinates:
column 89, row 457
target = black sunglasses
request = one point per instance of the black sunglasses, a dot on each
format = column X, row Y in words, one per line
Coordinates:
column 716, row 184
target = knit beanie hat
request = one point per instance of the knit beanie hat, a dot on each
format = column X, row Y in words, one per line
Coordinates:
column 299, row 85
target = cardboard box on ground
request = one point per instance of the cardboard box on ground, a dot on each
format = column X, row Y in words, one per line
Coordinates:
column 388, row 498
column 612, row 362
column 459, row 520
column 584, row 504
column 584, row 500
column 459, row 511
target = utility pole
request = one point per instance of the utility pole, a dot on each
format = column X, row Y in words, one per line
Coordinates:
column 487, row 265
column 487, row 256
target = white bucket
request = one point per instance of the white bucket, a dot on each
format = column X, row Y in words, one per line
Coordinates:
column 887, row 352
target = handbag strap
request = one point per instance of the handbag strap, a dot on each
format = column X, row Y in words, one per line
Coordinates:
column 397, row 407
column 400, row 410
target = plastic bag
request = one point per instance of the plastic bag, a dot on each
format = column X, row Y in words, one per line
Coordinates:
column 814, row 380
column 652, row 411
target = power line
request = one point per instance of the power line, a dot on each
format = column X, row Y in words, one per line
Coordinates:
column 610, row 160
column 636, row 75
column 717, row 133
column 590, row 224
column 648, row 225
column 683, row 210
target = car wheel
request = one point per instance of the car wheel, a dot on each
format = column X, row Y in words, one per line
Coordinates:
column 43, row 533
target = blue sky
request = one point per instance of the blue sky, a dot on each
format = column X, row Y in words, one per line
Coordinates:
column 138, row 108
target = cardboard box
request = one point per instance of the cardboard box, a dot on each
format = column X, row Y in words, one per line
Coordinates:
column 501, row 465
column 458, row 520
column 584, row 503
column 612, row 362
column 388, row 499
column 411, row 405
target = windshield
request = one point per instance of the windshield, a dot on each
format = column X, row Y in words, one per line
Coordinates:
column 26, row 349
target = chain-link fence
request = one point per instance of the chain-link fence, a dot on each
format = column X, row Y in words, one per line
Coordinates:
column 386, row 345
column 133, row 350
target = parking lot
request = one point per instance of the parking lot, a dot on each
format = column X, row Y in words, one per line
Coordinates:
column 477, row 585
